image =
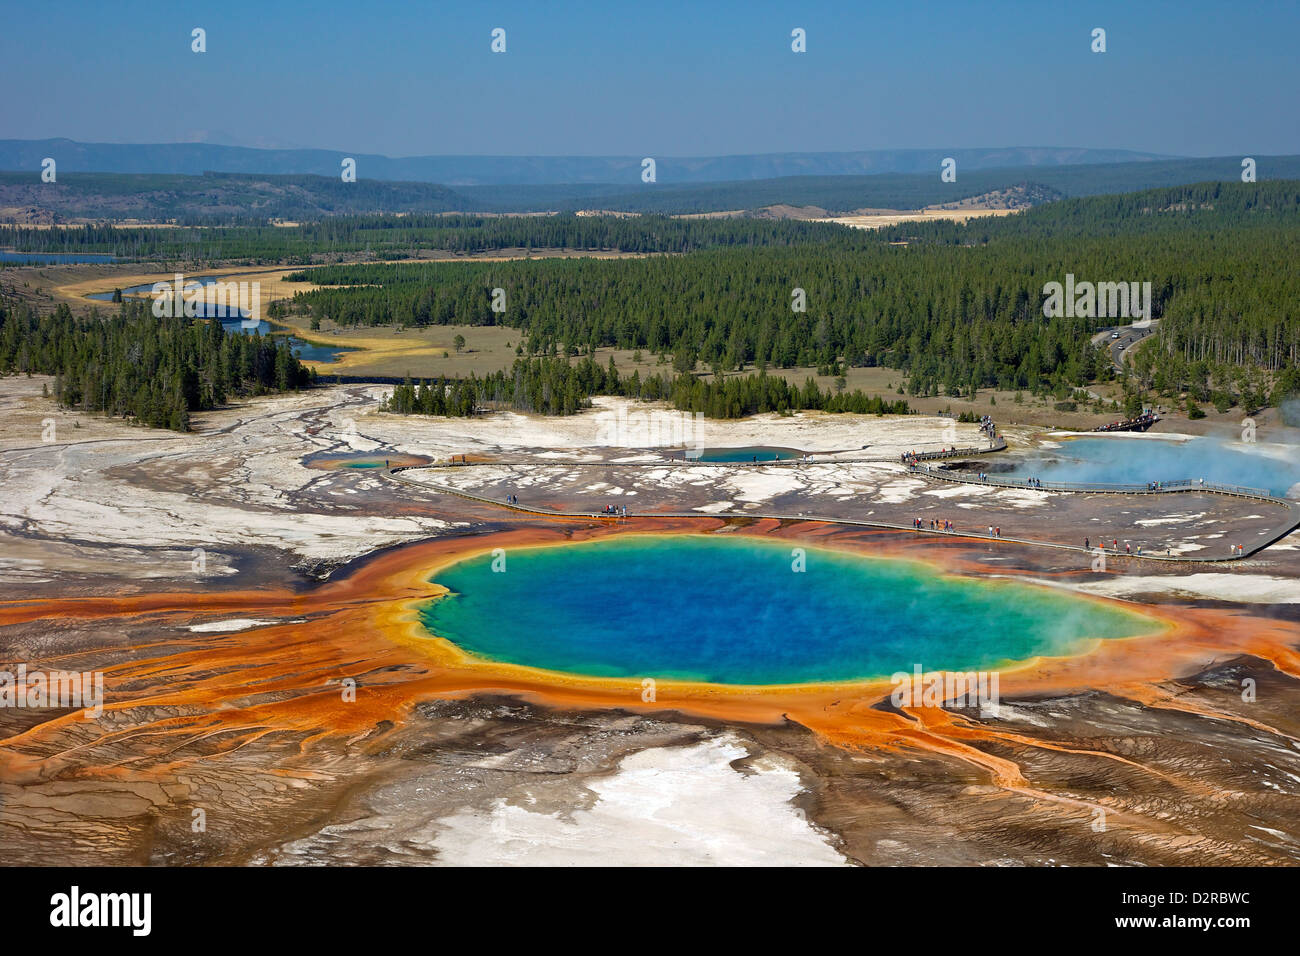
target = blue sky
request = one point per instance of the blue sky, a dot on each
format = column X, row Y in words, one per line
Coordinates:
column 657, row 78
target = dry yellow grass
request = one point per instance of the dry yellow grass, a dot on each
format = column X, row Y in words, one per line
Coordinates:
column 879, row 220
column 107, row 280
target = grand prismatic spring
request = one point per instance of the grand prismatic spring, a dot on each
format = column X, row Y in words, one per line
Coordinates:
column 747, row 611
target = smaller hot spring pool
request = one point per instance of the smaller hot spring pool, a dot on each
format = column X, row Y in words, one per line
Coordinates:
column 1138, row 460
column 361, row 461
column 750, row 453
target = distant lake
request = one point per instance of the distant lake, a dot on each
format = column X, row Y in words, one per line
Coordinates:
column 234, row 320
column 148, row 287
column 57, row 258
column 304, row 350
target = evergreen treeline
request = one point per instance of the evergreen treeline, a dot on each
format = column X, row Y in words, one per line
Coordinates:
column 1206, row 207
column 401, row 237
column 554, row 386
column 958, row 306
column 134, row 365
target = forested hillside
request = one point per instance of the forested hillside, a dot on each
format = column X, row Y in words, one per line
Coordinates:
column 841, row 194
column 214, row 198
column 134, row 365
column 958, row 306
column 556, row 386
column 955, row 307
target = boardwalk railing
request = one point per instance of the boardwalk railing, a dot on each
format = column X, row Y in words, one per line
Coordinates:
column 1155, row 488
column 823, row 458
column 998, row 444
column 1292, row 523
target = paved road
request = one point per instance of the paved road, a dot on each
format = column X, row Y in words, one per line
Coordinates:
column 1120, row 346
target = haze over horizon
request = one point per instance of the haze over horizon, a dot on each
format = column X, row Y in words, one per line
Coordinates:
column 1195, row 79
column 216, row 138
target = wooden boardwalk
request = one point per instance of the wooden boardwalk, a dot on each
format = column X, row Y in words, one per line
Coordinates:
column 1291, row 522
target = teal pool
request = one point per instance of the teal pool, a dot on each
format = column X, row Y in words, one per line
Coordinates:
column 361, row 460
column 732, row 611
column 749, row 453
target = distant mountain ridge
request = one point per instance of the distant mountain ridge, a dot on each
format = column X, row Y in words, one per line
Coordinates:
column 225, row 197
column 197, row 158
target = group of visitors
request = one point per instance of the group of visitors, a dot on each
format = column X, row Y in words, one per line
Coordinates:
column 512, row 499
column 1114, row 545
column 943, row 524
column 1087, row 546
column 615, row 510
column 1033, row 483
column 935, row 524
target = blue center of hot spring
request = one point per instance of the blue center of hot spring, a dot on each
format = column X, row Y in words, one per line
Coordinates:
column 737, row 611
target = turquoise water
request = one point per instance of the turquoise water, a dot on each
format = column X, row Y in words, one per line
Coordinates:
column 760, row 452
column 1139, row 460
column 732, row 611
column 361, row 460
